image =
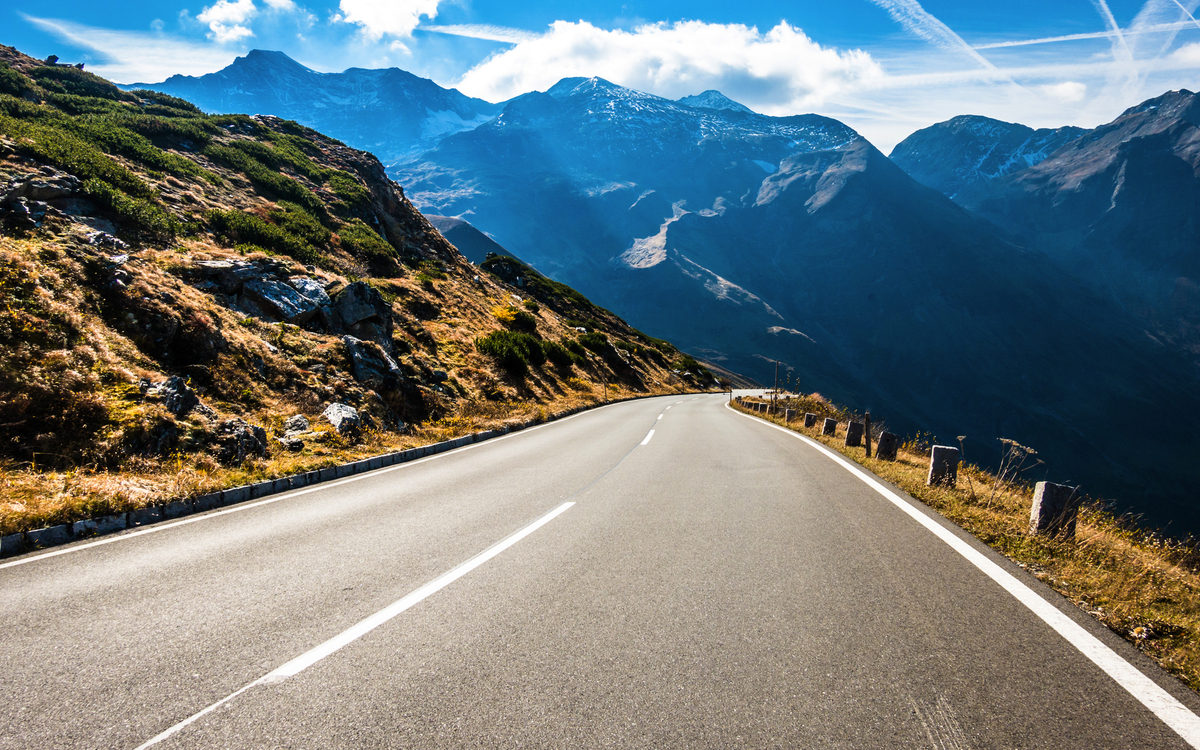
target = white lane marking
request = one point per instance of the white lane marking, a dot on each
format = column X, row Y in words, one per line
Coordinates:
column 648, row 436
column 311, row 657
column 660, row 416
column 155, row 528
column 1164, row 705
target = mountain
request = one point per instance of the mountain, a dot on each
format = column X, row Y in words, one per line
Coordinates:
column 713, row 99
column 1119, row 207
column 748, row 238
column 472, row 243
column 392, row 113
column 961, row 156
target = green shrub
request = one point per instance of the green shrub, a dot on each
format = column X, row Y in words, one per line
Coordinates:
column 513, row 350
column 297, row 221
column 135, row 214
column 364, row 242
column 595, row 341
column 52, row 142
column 263, row 177
column 168, row 101
column 575, row 348
column 12, row 82
column 240, row 227
column 77, row 82
column 353, row 196
column 559, row 354
column 531, row 305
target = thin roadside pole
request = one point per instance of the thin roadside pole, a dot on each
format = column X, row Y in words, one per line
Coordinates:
column 867, row 433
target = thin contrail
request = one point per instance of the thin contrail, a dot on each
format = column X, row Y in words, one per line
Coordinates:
column 1106, row 14
column 484, row 31
column 1133, row 31
column 910, row 15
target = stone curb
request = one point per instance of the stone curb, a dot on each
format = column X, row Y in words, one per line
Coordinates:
column 52, row 536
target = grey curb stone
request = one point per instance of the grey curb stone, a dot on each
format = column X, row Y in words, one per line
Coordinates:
column 143, row 516
column 207, row 502
column 12, row 544
column 235, row 495
column 177, row 509
column 103, row 525
column 50, row 536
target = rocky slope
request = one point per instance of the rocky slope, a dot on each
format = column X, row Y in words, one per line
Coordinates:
column 1119, row 207
column 962, row 156
column 192, row 300
column 391, row 113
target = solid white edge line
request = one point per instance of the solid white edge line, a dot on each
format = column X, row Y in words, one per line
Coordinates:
column 1164, row 705
column 155, row 528
column 353, row 633
column 648, row 436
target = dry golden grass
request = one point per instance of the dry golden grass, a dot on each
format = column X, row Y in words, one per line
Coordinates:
column 1142, row 586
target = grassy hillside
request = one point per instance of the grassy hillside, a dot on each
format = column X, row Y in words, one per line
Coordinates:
column 178, row 288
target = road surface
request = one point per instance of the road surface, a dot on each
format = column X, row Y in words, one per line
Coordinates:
column 664, row 573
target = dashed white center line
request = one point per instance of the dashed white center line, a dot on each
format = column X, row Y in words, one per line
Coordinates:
column 306, row 660
column 648, row 436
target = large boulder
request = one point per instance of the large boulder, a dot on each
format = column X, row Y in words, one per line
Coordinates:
column 371, row 364
column 310, row 288
column 176, row 397
column 361, row 311
column 280, row 300
column 236, row 441
column 344, row 419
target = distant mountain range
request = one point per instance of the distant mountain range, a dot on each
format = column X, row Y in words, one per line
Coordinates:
column 1117, row 206
column 748, row 238
column 392, row 113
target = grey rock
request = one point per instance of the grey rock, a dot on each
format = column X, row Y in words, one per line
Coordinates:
column 293, row 444
column 231, row 280
column 104, row 239
column 177, row 397
column 282, row 300
column 372, row 365
column 296, row 423
column 344, row 419
column 310, row 288
column 236, row 441
column 213, row 267
column 360, row 311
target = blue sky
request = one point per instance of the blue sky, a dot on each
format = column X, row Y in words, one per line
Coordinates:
column 884, row 67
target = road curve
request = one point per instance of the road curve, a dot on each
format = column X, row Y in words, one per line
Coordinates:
column 657, row 573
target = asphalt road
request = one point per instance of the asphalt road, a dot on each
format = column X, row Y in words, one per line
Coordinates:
column 721, row 584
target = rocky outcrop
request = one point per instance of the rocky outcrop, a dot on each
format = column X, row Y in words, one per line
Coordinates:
column 344, row 419
column 361, row 311
column 236, row 441
column 371, row 365
column 176, row 397
column 280, row 300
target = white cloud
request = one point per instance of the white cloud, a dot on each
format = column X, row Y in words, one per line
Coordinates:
column 134, row 56
column 226, row 20
column 1067, row 92
column 284, row 5
column 380, row 18
column 779, row 72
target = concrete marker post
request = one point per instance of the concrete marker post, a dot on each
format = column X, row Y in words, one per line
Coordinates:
column 943, row 466
column 854, row 434
column 810, row 419
column 829, row 427
column 1055, row 510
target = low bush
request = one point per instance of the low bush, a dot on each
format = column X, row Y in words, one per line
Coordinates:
column 364, row 242
column 513, row 350
column 239, row 227
column 595, row 341
column 135, row 215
